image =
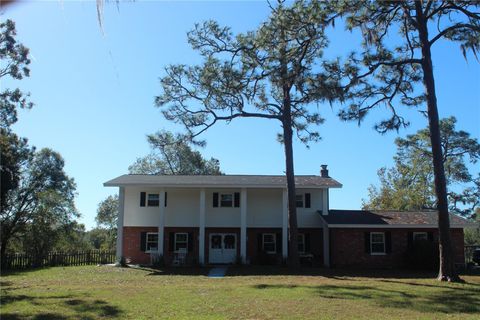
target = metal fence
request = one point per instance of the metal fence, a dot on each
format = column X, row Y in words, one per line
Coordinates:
column 19, row 261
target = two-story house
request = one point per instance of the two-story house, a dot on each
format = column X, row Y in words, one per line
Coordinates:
column 244, row 219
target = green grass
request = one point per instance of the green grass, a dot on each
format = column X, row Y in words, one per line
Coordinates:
column 92, row 292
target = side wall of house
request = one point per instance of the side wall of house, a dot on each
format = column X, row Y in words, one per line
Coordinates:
column 348, row 248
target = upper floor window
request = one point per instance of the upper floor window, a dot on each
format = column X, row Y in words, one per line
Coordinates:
column 377, row 243
column 303, row 200
column 226, row 200
column 153, row 200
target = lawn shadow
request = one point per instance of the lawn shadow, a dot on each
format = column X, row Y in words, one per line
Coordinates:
column 443, row 299
column 81, row 307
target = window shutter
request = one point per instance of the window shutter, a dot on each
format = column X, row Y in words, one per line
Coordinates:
column 190, row 242
column 143, row 196
column 215, row 199
column 171, row 241
column 307, row 242
column 367, row 242
column 388, row 242
column 236, row 199
column 307, row 200
column 143, row 241
column 410, row 240
column 165, row 199
column 430, row 236
column 278, row 242
column 259, row 242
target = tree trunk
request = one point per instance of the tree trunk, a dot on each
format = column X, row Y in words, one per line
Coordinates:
column 293, row 259
column 447, row 268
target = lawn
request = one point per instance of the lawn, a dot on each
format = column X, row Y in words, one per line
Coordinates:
column 92, row 292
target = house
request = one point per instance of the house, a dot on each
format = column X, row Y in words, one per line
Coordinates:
column 244, row 219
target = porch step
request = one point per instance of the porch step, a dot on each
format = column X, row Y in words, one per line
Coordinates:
column 217, row 272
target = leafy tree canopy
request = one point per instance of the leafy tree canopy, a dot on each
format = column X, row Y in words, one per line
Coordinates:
column 173, row 154
column 409, row 185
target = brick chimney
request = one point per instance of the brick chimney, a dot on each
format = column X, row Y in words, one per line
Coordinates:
column 324, row 171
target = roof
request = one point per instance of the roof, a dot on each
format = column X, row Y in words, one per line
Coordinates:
column 221, row 181
column 364, row 218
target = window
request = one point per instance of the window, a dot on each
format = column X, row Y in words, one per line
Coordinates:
column 269, row 243
column 301, row 243
column 299, row 200
column 417, row 236
column 152, row 242
column 377, row 243
column 153, row 200
column 226, row 200
column 181, row 242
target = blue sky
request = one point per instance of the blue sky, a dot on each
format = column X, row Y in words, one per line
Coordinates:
column 94, row 94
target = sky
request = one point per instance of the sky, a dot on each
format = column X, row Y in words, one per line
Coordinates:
column 94, row 93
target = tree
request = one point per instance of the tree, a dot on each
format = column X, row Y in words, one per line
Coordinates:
column 386, row 73
column 44, row 198
column 409, row 185
column 173, row 154
column 15, row 61
column 107, row 216
column 273, row 73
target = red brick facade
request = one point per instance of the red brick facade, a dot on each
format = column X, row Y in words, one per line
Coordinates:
column 347, row 245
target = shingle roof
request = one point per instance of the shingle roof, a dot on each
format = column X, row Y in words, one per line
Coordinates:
column 386, row 218
column 225, row 181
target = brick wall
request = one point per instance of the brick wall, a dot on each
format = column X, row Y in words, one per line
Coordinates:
column 347, row 247
column 131, row 244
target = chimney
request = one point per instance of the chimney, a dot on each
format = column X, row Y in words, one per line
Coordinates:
column 324, row 171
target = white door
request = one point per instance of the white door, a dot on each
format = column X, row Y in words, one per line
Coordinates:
column 223, row 248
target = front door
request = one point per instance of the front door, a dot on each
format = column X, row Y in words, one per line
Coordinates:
column 223, row 248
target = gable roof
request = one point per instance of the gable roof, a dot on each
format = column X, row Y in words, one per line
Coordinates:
column 366, row 218
column 221, row 181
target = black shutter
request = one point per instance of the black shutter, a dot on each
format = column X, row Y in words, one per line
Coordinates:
column 307, row 242
column 388, row 242
column 143, row 241
column 165, row 199
column 171, row 241
column 410, row 240
column 307, row 200
column 236, row 199
column 259, row 242
column 143, row 196
column 279, row 242
column 367, row 242
column 430, row 236
column 215, row 199
column 190, row 242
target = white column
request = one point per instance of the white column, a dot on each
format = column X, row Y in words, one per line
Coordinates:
column 161, row 221
column 121, row 210
column 201, row 235
column 243, row 225
column 326, row 246
column 325, row 202
column 284, row 223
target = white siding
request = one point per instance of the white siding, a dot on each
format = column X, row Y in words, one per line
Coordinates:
column 264, row 209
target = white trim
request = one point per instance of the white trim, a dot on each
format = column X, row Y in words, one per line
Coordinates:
column 153, row 194
column 161, row 220
column 121, row 212
column 201, row 235
column 390, row 226
column 215, row 186
column 274, row 236
column 243, row 225
column 146, row 242
column 325, row 205
column 326, row 245
column 383, row 242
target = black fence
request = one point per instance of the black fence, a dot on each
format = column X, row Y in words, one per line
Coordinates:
column 19, row 261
